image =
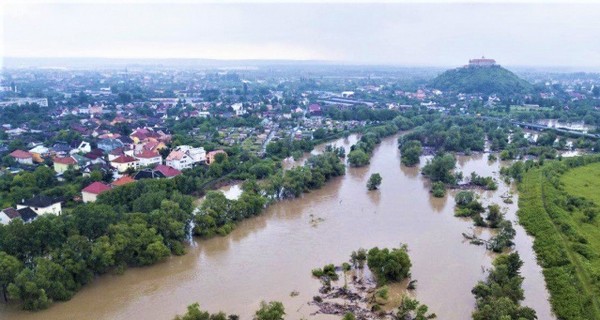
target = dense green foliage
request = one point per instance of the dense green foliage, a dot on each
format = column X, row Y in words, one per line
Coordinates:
column 59, row 254
column 374, row 181
column 499, row 297
column 438, row 189
column 327, row 271
column 566, row 241
column 194, row 313
column 285, row 147
column 457, row 134
column 487, row 183
column 389, row 265
column 273, row 310
column 412, row 309
column 486, row 80
column 410, row 151
column 440, row 168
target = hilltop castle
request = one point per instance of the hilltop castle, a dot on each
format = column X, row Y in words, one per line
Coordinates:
column 483, row 62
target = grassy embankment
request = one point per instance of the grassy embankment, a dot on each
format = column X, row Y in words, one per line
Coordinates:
column 553, row 203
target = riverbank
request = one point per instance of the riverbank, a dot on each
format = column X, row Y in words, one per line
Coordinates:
column 567, row 244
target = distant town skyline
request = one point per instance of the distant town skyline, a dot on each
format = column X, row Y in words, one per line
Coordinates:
column 386, row 34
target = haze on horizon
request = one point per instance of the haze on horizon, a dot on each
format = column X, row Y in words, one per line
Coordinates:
column 359, row 33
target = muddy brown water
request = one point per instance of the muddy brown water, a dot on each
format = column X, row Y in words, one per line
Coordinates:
column 268, row 257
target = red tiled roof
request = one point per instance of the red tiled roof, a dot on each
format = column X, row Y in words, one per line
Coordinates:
column 125, row 159
column 123, row 180
column 168, row 171
column 147, row 154
column 151, row 145
column 20, row 154
column 96, row 188
column 117, row 151
column 65, row 160
column 175, row 155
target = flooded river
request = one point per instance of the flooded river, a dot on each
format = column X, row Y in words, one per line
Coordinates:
column 268, row 257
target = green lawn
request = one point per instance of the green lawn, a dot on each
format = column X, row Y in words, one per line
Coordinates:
column 567, row 245
column 584, row 182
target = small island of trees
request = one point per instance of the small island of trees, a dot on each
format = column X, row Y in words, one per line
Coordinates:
column 374, row 181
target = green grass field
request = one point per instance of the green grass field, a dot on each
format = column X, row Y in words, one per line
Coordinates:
column 552, row 203
column 584, row 181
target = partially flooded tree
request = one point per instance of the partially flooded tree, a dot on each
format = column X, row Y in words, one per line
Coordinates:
column 273, row 310
column 374, row 181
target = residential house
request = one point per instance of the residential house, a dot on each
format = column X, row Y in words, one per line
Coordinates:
column 91, row 192
column 109, row 145
column 6, row 215
column 62, row 164
column 238, row 108
column 124, row 162
column 179, row 160
column 38, row 153
column 143, row 135
column 148, row 174
column 315, row 109
column 210, row 157
column 27, row 214
column 198, row 155
column 22, row 157
column 148, row 158
column 154, row 146
column 83, row 147
column 61, row 149
column 167, row 171
column 123, row 181
column 42, row 205
column 103, row 168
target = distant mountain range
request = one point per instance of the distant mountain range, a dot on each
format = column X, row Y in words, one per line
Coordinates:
column 481, row 79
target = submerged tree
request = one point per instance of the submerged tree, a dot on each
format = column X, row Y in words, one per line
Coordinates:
column 273, row 310
column 374, row 181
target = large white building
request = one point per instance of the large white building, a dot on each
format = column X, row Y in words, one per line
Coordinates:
column 185, row 157
column 198, row 155
column 179, row 160
column 148, row 158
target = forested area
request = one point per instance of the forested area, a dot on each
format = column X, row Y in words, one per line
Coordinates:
column 139, row 224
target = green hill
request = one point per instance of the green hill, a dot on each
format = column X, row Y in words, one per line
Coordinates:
column 485, row 80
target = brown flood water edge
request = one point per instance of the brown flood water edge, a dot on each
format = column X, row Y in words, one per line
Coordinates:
column 269, row 256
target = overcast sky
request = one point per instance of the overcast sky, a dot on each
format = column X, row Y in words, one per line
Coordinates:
column 400, row 34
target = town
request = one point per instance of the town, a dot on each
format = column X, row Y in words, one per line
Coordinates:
column 120, row 125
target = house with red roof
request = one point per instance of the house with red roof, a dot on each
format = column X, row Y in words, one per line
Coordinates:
column 167, row 171
column 148, row 158
column 315, row 109
column 124, row 162
column 62, row 164
column 22, row 157
column 126, row 179
column 179, row 160
column 91, row 192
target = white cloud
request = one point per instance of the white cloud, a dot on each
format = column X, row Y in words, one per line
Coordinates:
column 421, row 34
